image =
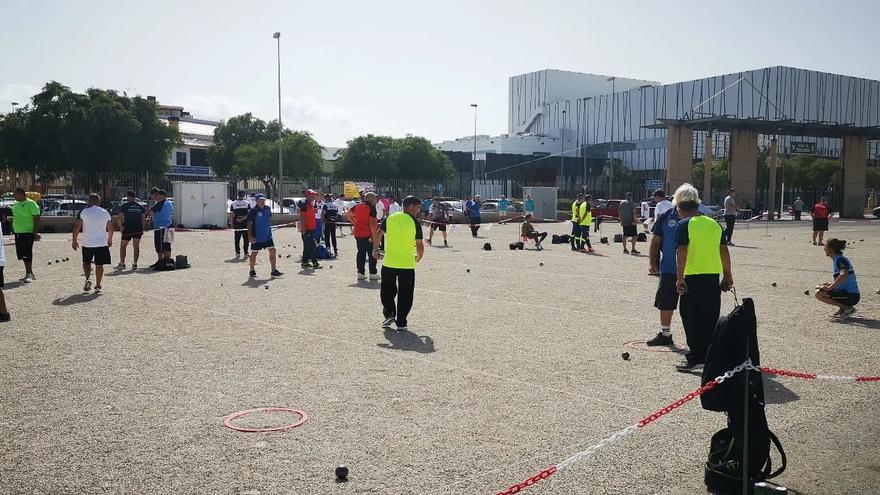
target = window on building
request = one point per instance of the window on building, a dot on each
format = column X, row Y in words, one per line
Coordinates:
column 181, row 158
column 198, row 157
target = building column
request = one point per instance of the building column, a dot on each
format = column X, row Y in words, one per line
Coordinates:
column 743, row 165
column 854, row 157
column 679, row 157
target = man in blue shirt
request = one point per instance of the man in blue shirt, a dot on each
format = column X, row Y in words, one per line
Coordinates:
column 260, row 234
column 472, row 209
column 663, row 265
column 503, row 204
column 162, row 212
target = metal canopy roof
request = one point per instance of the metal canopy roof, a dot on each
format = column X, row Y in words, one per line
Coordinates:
column 784, row 127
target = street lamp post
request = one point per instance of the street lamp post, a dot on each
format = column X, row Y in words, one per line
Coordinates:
column 277, row 36
column 562, row 149
column 474, row 158
column 613, row 114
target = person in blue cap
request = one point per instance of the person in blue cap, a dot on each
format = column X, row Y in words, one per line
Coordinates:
column 260, row 234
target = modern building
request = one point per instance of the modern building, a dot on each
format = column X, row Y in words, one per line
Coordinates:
column 589, row 116
column 189, row 160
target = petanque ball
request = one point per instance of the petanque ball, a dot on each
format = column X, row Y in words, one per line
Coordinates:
column 878, row 291
column 625, row 356
column 57, row 261
column 773, row 284
column 342, row 472
column 468, row 270
column 267, row 286
column 807, row 292
column 50, row 263
column 540, row 264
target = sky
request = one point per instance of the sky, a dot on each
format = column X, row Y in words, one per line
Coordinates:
column 407, row 67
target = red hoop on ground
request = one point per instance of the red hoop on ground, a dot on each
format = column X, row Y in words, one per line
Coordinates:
column 641, row 345
column 228, row 422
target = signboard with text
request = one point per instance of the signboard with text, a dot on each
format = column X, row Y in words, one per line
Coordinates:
column 185, row 170
column 802, row 148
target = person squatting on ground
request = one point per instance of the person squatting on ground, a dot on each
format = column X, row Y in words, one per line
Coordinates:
column 702, row 257
column 330, row 217
column 821, row 213
column 843, row 292
column 259, row 230
column 663, row 264
column 26, row 224
column 362, row 217
column 528, row 232
column 4, row 312
column 132, row 221
column 472, row 210
column 308, row 225
column 627, row 213
column 403, row 249
column 96, row 226
column 731, row 210
column 239, row 211
column 440, row 217
column 162, row 212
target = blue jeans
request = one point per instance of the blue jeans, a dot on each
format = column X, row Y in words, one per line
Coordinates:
column 310, row 247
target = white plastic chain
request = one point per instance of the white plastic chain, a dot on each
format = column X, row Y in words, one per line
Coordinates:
column 836, row 377
column 747, row 364
column 616, row 436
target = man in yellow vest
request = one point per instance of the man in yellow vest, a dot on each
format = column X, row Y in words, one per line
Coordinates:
column 585, row 218
column 403, row 249
column 577, row 242
column 702, row 257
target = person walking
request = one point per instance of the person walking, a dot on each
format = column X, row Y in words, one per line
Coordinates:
column 701, row 259
column 162, row 213
column 259, row 230
column 821, row 213
column 96, row 226
column 4, row 312
column 403, row 250
column 330, row 215
column 239, row 211
column 365, row 224
column 627, row 214
column 798, row 208
column 440, row 217
column 308, row 225
column 472, row 210
column 731, row 210
column 530, row 205
column 663, row 265
column 26, row 224
column 132, row 220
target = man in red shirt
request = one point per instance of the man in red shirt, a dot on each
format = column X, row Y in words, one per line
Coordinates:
column 821, row 213
column 308, row 225
column 363, row 217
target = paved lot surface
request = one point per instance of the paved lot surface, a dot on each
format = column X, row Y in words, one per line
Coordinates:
column 508, row 368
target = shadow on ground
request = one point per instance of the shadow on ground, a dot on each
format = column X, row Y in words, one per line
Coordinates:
column 407, row 341
column 777, row 393
column 76, row 299
column 860, row 322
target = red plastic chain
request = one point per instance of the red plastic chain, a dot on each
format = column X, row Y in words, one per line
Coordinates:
column 543, row 475
column 675, row 405
column 868, row 378
column 795, row 374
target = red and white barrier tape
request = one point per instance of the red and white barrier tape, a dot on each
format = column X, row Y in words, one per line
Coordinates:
column 629, row 430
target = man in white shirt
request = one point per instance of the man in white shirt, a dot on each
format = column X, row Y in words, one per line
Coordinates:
column 394, row 206
column 96, row 226
column 380, row 211
column 340, row 207
column 662, row 205
column 4, row 314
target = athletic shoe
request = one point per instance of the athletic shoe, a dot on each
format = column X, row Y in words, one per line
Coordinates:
column 686, row 365
column 276, row 273
column 305, row 265
column 388, row 322
column 626, row 251
column 362, row 276
column 375, row 276
column 730, row 244
column 134, row 266
column 4, row 317
column 846, row 313
column 97, row 288
column 635, row 252
column 402, row 328
column 836, row 314
column 120, row 266
column 253, row 274
column 317, row 266
column 88, row 286
column 660, row 339
column 445, row 243
column 237, row 256
column 591, row 250
column 821, row 243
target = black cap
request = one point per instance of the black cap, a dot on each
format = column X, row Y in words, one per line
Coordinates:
column 411, row 200
column 131, row 194
column 241, row 194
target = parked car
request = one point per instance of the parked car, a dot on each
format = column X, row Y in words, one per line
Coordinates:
column 606, row 209
column 877, row 212
column 66, row 208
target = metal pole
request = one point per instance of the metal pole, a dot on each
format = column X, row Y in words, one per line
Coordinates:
column 562, row 150
column 771, row 181
column 707, row 168
column 745, row 464
column 474, row 157
column 277, row 36
column 613, row 114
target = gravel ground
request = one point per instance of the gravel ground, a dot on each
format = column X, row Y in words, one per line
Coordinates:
column 508, row 368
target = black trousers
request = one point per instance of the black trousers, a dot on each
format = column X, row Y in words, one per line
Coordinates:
column 797, row 215
column 365, row 252
column 310, row 246
column 475, row 226
column 399, row 283
column 730, row 220
column 241, row 237
column 330, row 236
column 538, row 236
column 700, row 308
column 575, row 236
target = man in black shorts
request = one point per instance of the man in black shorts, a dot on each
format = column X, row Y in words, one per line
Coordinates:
column 96, row 226
column 626, row 212
column 439, row 215
column 239, row 211
column 132, row 221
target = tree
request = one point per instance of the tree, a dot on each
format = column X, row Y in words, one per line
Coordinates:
column 416, row 158
column 411, row 157
column 720, row 173
column 259, row 160
column 230, row 135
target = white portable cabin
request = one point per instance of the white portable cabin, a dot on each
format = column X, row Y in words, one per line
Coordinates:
column 545, row 202
column 200, row 204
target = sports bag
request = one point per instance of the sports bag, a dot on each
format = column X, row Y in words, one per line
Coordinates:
column 724, row 466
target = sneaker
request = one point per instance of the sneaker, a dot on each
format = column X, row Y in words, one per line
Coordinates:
column 428, row 242
column 317, row 266
column 253, row 274
column 97, row 288
column 4, row 317
column 821, row 243
column 305, row 265
column 591, row 250
column 730, row 243
column 29, row 278
column 626, row 251
column 375, row 276
column 362, row 276
column 276, row 273
column 88, row 286
column 388, row 322
column 814, row 243
column 686, row 365
column 134, row 266
column 402, row 328
column 660, row 339
column 635, row 252
column 846, row 313
column 445, row 243
column 237, row 256
column 120, row 266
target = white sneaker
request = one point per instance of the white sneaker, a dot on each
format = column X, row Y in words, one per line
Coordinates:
column 362, row 276
column 375, row 276
column 402, row 328
column 28, row 278
column 88, row 286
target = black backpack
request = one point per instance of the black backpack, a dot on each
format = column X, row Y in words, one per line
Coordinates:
column 735, row 340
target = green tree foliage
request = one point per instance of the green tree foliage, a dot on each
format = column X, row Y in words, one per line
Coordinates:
column 301, row 156
column 230, row 135
column 811, row 172
column 96, row 131
column 720, row 175
column 373, row 156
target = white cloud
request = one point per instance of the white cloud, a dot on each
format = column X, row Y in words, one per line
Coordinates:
column 331, row 125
